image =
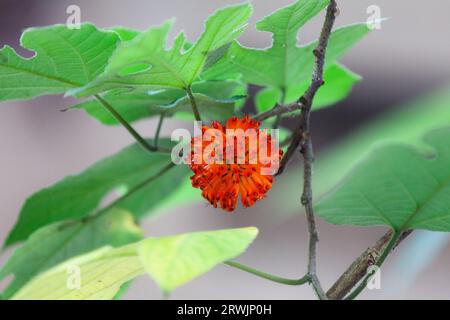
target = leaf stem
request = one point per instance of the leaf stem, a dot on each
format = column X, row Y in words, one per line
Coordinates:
column 268, row 276
column 125, row 124
column 158, row 130
column 391, row 244
column 193, row 104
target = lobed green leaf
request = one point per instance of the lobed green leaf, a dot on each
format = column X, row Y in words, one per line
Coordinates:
column 146, row 62
column 64, row 59
column 286, row 67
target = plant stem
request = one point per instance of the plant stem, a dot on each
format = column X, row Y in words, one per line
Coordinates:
column 302, row 137
column 391, row 244
column 125, row 124
column 158, row 130
column 193, row 104
column 268, row 276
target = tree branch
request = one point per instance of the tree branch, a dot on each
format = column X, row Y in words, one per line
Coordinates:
column 358, row 269
column 303, row 138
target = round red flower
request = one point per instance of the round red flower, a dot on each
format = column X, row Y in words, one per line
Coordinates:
column 222, row 181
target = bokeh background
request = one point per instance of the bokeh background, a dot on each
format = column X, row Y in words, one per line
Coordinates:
column 407, row 58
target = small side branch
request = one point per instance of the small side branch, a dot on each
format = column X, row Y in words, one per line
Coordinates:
column 278, row 111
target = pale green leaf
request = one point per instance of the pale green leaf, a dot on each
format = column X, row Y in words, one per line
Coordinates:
column 102, row 272
column 77, row 196
column 64, row 59
column 396, row 186
column 174, row 261
column 170, row 261
column 61, row 241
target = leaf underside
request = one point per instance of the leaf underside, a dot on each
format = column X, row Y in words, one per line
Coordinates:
column 396, row 186
column 61, row 241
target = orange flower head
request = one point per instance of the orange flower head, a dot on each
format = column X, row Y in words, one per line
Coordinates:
column 221, row 180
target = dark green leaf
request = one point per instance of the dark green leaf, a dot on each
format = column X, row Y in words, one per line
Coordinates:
column 77, row 196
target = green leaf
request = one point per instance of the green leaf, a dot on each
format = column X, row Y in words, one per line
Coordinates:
column 405, row 124
column 77, row 196
column 339, row 82
column 125, row 34
column 267, row 98
column 286, row 66
column 170, row 261
column 396, row 186
column 147, row 62
column 215, row 100
column 58, row 242
column 64, row 59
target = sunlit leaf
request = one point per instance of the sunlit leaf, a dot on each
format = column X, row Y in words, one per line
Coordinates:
column 170, row 261
column 58, row 242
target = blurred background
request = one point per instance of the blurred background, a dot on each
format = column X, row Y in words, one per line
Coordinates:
column 406, row 59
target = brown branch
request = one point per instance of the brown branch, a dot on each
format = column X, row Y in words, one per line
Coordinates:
column 302, row 138
column 358, row 269
column 278, row 111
